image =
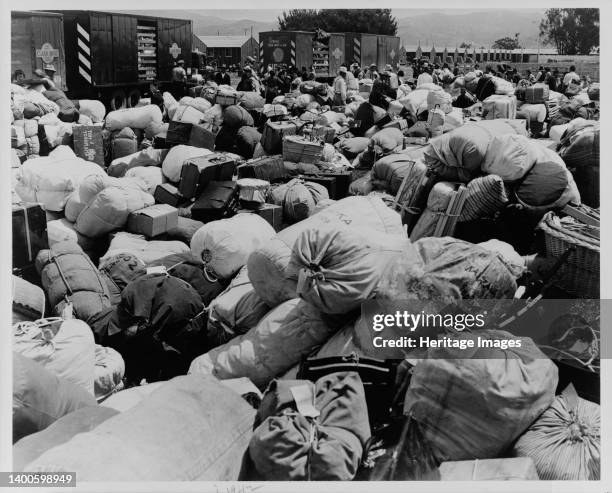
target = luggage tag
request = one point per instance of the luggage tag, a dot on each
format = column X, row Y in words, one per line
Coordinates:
column 303, row 395
column 157, row 270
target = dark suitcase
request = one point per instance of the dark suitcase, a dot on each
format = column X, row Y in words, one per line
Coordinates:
column 485, row 88
column 160, row 142
column 329, row 182
column 343, row 181
column 269, row 168
column 29, row 233
column 273, row 133
column 178, row 133
column 201, row 136
column 218, row 200
column 169, row 194
column 197, row 172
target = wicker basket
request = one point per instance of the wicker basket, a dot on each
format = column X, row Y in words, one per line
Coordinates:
column 580, row 274
column 301, row 150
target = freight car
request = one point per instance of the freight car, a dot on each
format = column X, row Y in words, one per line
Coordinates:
column 101, row 55
column 326, row 52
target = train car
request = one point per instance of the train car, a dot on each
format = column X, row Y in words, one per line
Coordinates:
column 37, row 39
column 286, row 48
column 388, row 51
column 361, row 48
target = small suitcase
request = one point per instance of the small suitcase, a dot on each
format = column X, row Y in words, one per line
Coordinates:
column 197, row 172
column 29, row 233
column 227, row 98
column 536, row 94
column 343, row 181
column 273, row 133
column 269, row 168
column 178, row 133
column 202, row 136
column 218, row 200
column 169, row 194
column 160, row 142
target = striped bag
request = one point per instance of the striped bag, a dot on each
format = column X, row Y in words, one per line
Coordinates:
column 486, row 196
column 565, row 441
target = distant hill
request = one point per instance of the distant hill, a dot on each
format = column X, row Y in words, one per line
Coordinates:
column 476, row 27
column 479, row 27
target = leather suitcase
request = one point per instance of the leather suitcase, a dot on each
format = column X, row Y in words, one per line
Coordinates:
column 29, row 233
column 273, row 133
column 168, row 194
column 202, row 136
column 218, row 200
column 198, row 171
column 178, row 133
column 343, row 181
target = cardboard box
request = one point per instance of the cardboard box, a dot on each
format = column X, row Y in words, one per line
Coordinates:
column 153, row 221
column 513, row 469
column 273, row 214
column 29, row 233
column 88, row 143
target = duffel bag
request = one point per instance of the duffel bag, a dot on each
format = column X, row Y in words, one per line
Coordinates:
column 281, row 338
column 64, row 347
column 247, row 139
column 40, row 397
column 155, row 440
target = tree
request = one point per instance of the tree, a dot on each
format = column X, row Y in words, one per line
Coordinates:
column 465, row 45
column 506, row 43
column 376, row 21
column 571, row 31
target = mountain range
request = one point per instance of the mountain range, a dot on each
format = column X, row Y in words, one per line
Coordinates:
column 443, row 28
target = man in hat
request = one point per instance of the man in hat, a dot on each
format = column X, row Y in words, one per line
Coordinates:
column 356, row 71
column 246, row 81
column 340, row 87
column 393, row 82
column 46, row 76
column 50, row 71
column 372, row 72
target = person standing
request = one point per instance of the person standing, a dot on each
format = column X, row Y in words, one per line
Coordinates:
column 571, row 76
column 156, row 96
column 352, row 84
column 246, row 80
column 372, row 72
column 222, row 77
column 179, row 78
column 340, row 87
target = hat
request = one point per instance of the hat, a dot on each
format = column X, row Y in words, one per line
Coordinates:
column 388, row 68
column 250, row 59
column 373, row 66
column 248, row 69
column 50, row 67
column 342, row 70
column 181, row 61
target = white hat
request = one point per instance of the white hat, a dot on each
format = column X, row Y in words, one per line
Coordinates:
column 342, row 70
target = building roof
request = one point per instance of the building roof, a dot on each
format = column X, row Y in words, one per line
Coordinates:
column 224, row 41
column 451, row 51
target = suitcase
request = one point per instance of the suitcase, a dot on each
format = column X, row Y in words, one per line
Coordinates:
column 169, row 194
column 197, row 172
column 498, row 106
column 302, row 150
column 29, row 233
column 273, row 133
column 218, row 200
column 507, row 469
column 329, row 182
column 160, row 142
column 343, row 181
column 226, row 98
column 269, row 168
column 536, row 94
column 88, row 143
column 178, row 133
column 202, row 136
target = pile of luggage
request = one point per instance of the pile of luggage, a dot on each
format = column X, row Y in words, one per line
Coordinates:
column 191, row 279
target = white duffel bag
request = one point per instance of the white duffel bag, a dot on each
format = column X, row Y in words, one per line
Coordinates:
column 133, row 117
column 225, row 245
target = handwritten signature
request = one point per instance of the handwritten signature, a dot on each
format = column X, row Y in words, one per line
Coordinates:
column 237, row 488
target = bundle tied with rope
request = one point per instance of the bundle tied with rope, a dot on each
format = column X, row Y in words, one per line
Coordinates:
column 307, row 431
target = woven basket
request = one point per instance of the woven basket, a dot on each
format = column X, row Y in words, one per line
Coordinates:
column 301, row 150
column 580, row 274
